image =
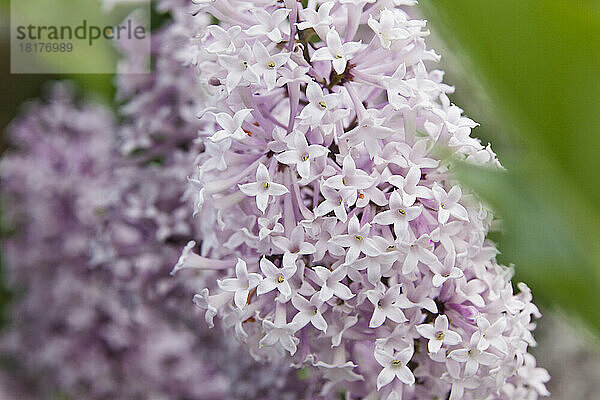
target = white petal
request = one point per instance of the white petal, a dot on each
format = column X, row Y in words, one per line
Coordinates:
column 471, row 367
column 460, row 355
column 319, row 322
column 325, row 294
column 384, row 218
column 342, row 291
column 385, row 377
column 275, row 189
column 452, row 338
column 434, row 345
column 300, row 320
column 262, row 200
column 405, row 375
column 378, row 318
column 289, row 157
column 265, row 286
column 460, row 212
column 486, row 358
column 229, row 284
column 240, row 269
column 441, row 323
column 426, row 330
column 395, row 314
column 249, row 189
column 285, row 289
column 262, row 174
column 241, row 298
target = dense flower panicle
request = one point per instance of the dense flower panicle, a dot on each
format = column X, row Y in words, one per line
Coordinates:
column 99, row 220
column 338, row 235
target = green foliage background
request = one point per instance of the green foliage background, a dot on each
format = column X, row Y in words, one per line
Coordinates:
column 539, row 63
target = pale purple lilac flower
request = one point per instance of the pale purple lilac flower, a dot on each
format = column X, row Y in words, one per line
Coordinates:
column 398, row 244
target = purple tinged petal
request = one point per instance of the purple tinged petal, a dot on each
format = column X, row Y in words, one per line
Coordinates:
column 307, row 248
column 385, row 377
column 452, row 338
column 240, row 269
column 240, row 298
column 383, row 357
column 300, row 320
column 459, row 212
column 471, row 367
column 229, row 284
column 321, row 54
column 325, row 293
column 276, row 189
column 342, row 291
column 454, row 194
column 443, row 215
column 441, row 323
column 460, row 355
column 339, row 65
column 486, row 358
column 319, row 322
column 314, row 93
column 268, row 268
column 265, row 286
column 426, row 330
column 262, row 200
column 285, row 289
column 396, row 315
column 405, row 375
column 322, row 273
column 301, row 303
column 378, row 318
column 262, row 174
column 410, row 264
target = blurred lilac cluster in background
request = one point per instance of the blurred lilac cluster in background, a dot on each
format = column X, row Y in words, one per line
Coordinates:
column 99, row 216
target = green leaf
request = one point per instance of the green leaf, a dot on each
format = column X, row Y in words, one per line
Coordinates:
column 539, row 62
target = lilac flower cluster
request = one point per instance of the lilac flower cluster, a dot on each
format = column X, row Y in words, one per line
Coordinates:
column 99, row 219
column 340, row 239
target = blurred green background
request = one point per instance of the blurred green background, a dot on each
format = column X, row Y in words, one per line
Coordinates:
column 530, row 76
column 16, row 88
column 529, row 72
